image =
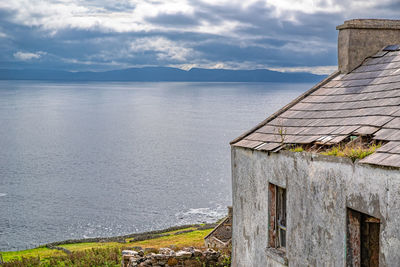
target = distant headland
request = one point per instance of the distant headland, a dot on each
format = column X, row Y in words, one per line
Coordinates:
column 163, row 74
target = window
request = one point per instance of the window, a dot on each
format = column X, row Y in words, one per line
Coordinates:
column 277, row 217
column 362, row 239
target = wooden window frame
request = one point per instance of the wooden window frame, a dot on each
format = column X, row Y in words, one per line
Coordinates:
column 362, row 239
column 277, row 225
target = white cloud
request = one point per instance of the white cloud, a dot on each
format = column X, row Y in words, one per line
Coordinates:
column 188, row 32
column 322, row 70
column 57, row 15
column 305, row 6
column 165, row 49
column 24, row 56
column 105, row 15
column 108, row 16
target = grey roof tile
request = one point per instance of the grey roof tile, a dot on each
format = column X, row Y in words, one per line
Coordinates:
column 247, row 143
column 366, row 130
column 346, row 130
column 268, row 146
column 305, row 139
column 364, row 102
column 338, row 139
column 393, row 160
column 395, row 150
column 267, row 129
column 388, row 135
column 397, row 113
column 388, row 146
column 375, row 158
column 394, row 124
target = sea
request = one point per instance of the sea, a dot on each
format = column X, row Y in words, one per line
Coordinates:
column 93, row 159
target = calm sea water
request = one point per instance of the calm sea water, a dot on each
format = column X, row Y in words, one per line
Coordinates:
column 102, row 159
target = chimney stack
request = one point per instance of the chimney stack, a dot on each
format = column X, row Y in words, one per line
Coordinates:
column 361, row 38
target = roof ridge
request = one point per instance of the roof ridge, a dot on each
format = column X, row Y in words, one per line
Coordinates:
column 288, row 106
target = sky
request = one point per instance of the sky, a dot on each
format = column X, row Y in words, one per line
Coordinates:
column 99, row 35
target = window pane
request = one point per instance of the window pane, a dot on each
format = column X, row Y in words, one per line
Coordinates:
column 281, row 216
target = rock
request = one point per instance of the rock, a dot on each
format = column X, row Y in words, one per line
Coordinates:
column 183, row 255
column 166, row 251
column 211, row 255
column 159, row 256
column 137, row 248
column 189, row 249
column 172, row 261
column 147, row 262
column 132, row 262
column 197, row 253
column 166, row 257
column 129, row 253
column 150, row 250
column 193, row 263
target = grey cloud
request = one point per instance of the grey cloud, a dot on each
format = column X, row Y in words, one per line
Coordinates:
column 176, row 19
column 258, row 37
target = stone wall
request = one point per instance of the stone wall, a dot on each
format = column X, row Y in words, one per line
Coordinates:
column 167, row 257
column 319, row 189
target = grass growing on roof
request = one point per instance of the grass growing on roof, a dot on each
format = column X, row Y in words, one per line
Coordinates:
column 353, row 152
column 297, row 149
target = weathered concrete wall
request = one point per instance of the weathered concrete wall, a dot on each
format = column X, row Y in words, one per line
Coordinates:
column 319, row 188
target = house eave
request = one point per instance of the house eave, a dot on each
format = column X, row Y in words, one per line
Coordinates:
column 319, row 157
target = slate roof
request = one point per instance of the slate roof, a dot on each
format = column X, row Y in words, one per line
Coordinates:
column 365, row 101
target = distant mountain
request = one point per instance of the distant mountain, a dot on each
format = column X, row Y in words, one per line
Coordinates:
column 165, row 74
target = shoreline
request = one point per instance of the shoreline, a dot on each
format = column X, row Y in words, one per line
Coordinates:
column 135, row 236
column 191, row 235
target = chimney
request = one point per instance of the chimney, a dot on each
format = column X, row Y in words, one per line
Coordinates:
column 361, row 38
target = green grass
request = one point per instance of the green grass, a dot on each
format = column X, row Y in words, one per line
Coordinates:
column 83, row 246
column 84, row 253
column 194, row 239
column 29, row 253
column 169, row 232
column 356, row 152
column 91, row 257
column 297, row 149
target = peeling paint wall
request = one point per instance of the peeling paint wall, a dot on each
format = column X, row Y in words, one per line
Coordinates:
column 319, row 189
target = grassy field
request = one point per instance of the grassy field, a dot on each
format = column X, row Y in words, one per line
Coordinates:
column 86, row 254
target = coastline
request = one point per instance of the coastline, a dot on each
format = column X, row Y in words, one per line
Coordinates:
column 135, row 236
column 175, row 236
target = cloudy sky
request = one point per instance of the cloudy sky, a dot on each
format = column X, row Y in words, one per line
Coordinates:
column 236, row 34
